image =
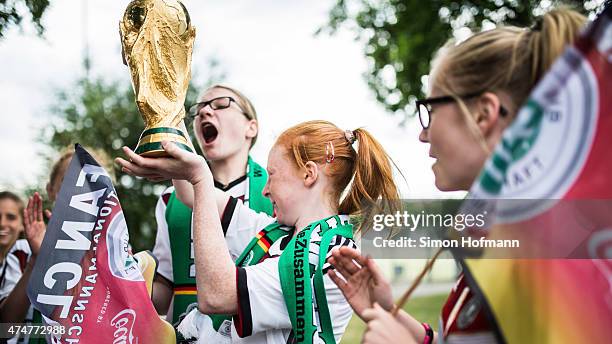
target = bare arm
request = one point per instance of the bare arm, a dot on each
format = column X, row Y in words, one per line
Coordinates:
column 158, row 169
column 184, row 192
column 414, row 326
column 384, row 328
column 162, row 294
column 215, row 271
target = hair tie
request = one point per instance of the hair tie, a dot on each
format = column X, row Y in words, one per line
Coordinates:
column 330, row 154
column 350, row 136
column 537, row 25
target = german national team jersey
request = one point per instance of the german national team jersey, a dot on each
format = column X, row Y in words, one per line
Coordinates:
column 236, row 189
column 11, row 270
column 262, row 312
column 174, row 243
column 163, row 245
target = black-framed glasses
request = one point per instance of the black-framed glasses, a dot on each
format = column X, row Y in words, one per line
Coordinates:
column 218, row 103
column 424, row 106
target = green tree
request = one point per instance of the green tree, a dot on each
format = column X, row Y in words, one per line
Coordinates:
column 102, row 114
column 12, row 15
column 401, row 36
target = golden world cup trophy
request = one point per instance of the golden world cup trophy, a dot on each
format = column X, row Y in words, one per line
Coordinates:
column 157, row 40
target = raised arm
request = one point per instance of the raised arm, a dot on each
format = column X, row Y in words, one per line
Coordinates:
column 14, row 307
column 184, row 192
column 159, row 169
column 362, row 282
column 215, row 271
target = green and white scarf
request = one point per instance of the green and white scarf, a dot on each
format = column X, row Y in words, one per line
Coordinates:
column 302, row 282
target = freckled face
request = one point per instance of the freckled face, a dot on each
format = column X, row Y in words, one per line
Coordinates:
column 285, row 188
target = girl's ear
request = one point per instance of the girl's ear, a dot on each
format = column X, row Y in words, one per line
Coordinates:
column 310, row 174
column 252, row 129
column 488, row 112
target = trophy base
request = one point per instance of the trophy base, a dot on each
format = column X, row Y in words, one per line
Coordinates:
column 150, row 141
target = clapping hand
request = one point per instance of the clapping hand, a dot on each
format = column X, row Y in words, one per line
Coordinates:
column 35, row 227
column 363, row 283
column 384, row 328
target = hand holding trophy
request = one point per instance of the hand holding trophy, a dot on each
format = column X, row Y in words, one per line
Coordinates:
column 157, row 41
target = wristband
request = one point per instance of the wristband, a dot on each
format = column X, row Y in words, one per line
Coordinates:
column 429, row 335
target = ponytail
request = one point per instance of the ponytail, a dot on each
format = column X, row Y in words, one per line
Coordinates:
column 507, row 58
column 367, row 169
column 549, row 37
column 373, row 177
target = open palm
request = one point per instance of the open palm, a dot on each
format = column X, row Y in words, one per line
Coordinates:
column 179, row 165
column 363, row 283
column 35, row 227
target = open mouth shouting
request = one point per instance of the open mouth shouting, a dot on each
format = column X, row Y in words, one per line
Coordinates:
column 209, row 132
column 274, row 208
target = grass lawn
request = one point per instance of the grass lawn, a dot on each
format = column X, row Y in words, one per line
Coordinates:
column 426, row 309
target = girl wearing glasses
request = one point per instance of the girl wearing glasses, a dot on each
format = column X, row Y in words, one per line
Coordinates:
column 225, row 126
column 277, row 291
column 476, row 90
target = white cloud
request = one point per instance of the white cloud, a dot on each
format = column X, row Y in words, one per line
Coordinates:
column 268, row 49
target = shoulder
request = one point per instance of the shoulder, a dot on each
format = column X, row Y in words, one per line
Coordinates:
column 14, row 265
column 21, row 245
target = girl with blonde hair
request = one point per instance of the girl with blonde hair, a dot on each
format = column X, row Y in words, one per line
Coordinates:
column 477, row 87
